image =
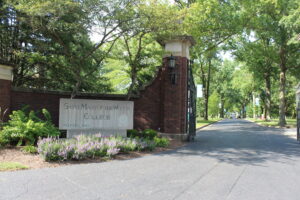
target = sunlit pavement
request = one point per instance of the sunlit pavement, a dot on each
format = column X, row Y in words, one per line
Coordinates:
column 231, row 159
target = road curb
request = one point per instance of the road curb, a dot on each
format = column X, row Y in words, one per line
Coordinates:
column 197, row 129
column 288, row 127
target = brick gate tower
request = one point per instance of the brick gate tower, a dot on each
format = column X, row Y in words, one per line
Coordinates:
column 175, row 89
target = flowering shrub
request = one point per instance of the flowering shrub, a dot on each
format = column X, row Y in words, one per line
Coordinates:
column 83, row 146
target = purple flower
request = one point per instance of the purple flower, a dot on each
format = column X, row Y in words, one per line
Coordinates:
column 112, row 151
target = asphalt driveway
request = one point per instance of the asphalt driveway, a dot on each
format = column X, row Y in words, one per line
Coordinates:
column 232, row 159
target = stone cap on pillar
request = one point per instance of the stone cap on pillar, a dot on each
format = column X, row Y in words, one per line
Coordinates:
column 178, row 46
column 6, row 72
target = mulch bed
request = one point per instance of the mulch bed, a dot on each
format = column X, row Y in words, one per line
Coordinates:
column 35, row 161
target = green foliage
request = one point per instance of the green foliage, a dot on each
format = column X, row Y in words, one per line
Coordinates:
column 25, row 128
column 146, row 134
column 149, row 134
column 161, row 142
column 128, row 145
column 29, row 149
column 132, row 133
column 292, row 21
column 213, row 105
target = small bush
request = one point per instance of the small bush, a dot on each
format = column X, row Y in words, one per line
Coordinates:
column 126, row 146
column 132, row 133
column 149, row 134
column 29, row 149
column 161, row 142
column 25, row 128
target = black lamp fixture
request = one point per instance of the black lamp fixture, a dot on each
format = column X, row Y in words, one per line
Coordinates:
column 172, row 62
column 172, row 67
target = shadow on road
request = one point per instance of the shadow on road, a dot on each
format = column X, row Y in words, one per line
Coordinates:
column 241, row 142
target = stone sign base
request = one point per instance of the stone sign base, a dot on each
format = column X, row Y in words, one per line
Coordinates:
column 73, row 133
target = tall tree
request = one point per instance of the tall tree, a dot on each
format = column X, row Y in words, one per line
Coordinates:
column 139, row 47
column 258, row 56
column 65, row 26
column 224, row 76
column 205, row 65
column 266, row 21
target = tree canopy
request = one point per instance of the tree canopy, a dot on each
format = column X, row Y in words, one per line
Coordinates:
column 113, row 46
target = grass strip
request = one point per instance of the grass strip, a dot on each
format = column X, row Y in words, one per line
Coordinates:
column 8, row 166
column 202, row 122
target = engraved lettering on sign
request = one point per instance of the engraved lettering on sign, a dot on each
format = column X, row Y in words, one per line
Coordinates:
column 95, row 114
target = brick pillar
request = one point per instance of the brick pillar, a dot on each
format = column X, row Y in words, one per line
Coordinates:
column 174, row 95
column 5, row 89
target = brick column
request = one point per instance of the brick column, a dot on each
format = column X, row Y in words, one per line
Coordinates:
column 174, row 95
column 5, row 89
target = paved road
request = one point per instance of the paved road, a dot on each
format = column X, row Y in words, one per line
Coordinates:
column 230, row 160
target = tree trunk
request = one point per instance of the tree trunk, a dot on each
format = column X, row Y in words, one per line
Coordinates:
column 203, row 79
column 222, row 107
column 282, row 97
column 243, row 114
column 206, row 105
column 207, row 90
column 254, row 106
column 133, row 80
column 268, row 97
column 282, row 120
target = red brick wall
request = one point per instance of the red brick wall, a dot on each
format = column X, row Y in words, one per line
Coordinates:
column 147, row 108
column 160, row 106
column 5, row 88
column 37, row 100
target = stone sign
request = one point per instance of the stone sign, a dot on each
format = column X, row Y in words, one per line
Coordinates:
column 81, row 116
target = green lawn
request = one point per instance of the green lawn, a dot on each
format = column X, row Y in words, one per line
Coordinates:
column 202, row 122
column 274, row 122
column 4, row 166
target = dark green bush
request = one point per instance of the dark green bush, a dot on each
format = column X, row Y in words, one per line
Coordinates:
column 146, row 134
column 132, row 133
column 149, row 134
column 25, row 128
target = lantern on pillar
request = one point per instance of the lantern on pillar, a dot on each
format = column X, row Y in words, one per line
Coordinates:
column 172, row 66
column 172, row 62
